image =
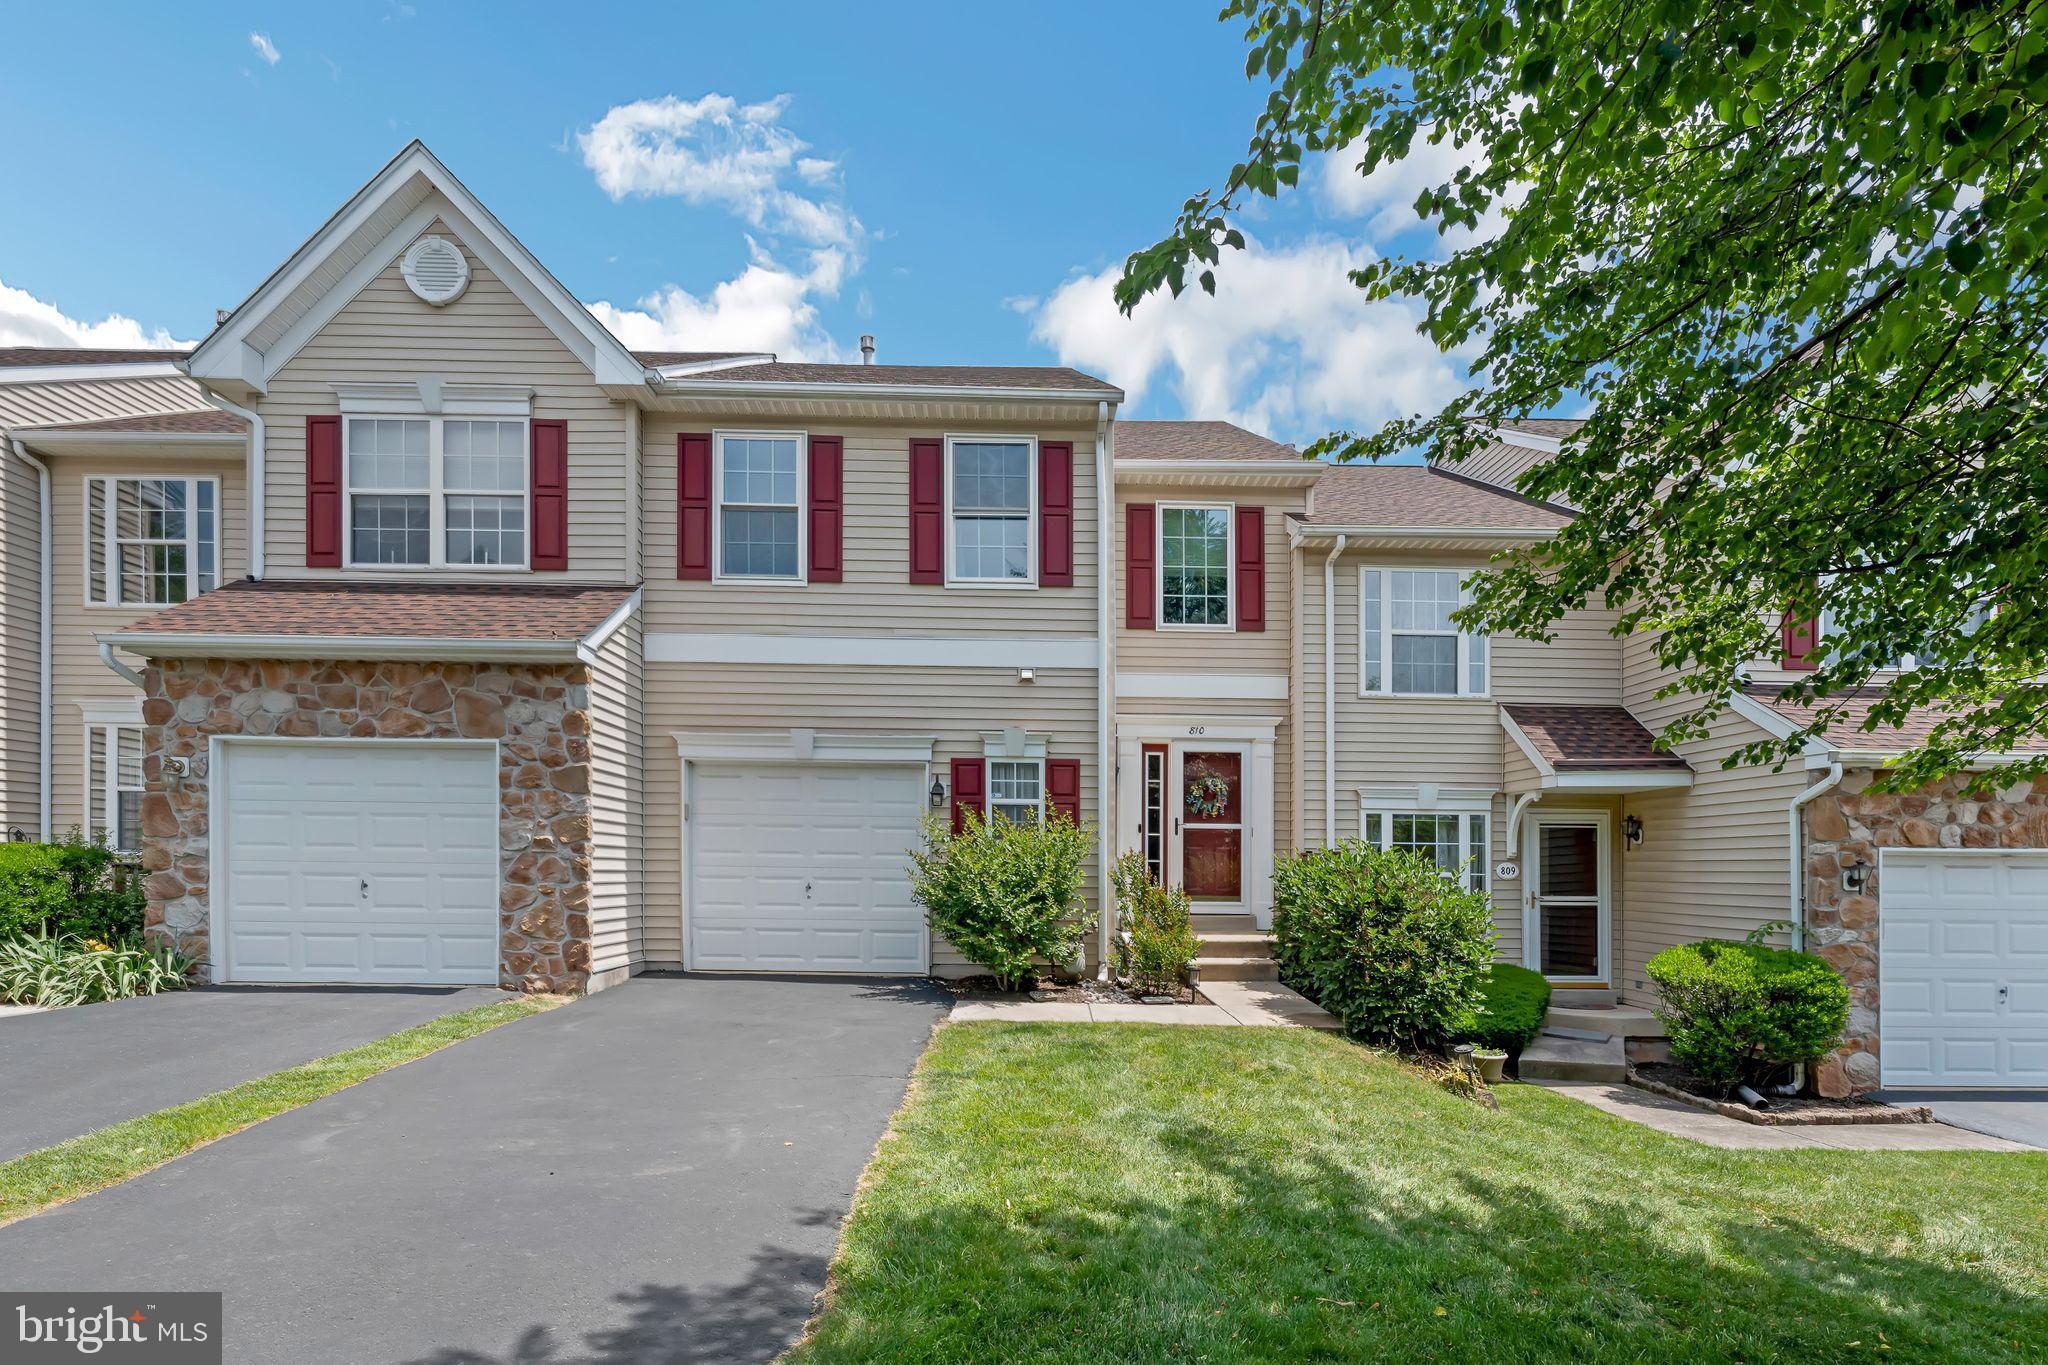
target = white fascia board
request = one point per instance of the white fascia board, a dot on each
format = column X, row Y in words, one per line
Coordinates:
column 679, row 370
column 1779, row 726
column 1525, row 744
column 589, row 645
column 1305, row 472
column 800, row 746
column 1885, row 758
column 80, row 374
column 410, row 648
column 1198, row 686
column 61, row 438
column 1527, row 440
column 1655, row 780
column 1475, row 533
column 860, row 651
column 790, row 388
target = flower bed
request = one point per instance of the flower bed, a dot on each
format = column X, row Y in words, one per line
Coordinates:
column 1795, row 1111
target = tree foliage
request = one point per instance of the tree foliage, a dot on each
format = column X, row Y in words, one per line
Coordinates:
column 1791, row 254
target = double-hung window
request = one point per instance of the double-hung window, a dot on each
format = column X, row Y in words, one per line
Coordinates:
column 1195, row 552
column 759, row 477
column 437, row 492
column 150, row 541
column 1407, row 643
column 1454, row 840
column 113, row 785
column 992, row 503
column 1016, row 789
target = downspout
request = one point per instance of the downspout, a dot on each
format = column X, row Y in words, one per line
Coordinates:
column 107, row 658
column 1105, row 669
column 255, row 477
column 1797, row 854
column 1330, row 693
column 43, row 552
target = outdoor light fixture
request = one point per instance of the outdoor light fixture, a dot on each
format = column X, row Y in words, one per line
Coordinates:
column 1632, row 829
column 1855, row 877
column 938, row 793
column 1025, row 675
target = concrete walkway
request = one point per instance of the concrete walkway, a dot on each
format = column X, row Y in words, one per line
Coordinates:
column 1232, row 1004
column 2019, row 1115
column 1718, row 1130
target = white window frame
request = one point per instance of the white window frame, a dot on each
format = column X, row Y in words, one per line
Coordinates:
column 1030, row 579
column 105, row 737
column 1465, row 637
column 988, row 785
column 802, row 577
column 437, row 492
column 1906, row 663
column 1465, row 812
column 105, row 550
column 1229, row 511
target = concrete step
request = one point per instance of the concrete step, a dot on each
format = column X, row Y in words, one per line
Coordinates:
column 1236, row 943
column 1551, row 1058
column 1627, row 1021
column 1218, row 922
column 1582, row 995
column 1225, row 968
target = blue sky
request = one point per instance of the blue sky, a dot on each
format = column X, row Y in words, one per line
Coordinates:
column 961, row 181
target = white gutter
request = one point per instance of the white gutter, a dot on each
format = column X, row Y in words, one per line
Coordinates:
column 589, row 645
column 1105, row 666
column 1280, row 471
column 789, row 388
column 175, row 645
column 255, row 476
column 1798, row 852
column 1431, row 532
column 1330, row 693
column 107, row 658
column 43, row 552
column 81, row 372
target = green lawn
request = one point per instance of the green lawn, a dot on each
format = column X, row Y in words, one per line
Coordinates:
column 29, row 1184
column 1113, row 1193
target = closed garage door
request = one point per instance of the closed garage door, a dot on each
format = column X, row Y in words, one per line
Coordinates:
column 362, row 862
column 1963, row 968
column 804, row 867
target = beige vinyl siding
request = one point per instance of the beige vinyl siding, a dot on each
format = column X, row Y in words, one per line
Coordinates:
column 1170, row 650
column 1517, row 772
column 1713, row 861
column 77, row 673
column 618, row 810
column 956, row 706
column 488, row 336
column 876, row 596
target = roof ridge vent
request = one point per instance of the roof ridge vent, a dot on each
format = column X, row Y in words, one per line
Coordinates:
column 436, row 270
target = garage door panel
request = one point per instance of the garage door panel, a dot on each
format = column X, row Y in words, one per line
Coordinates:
column 1963, row 969
column 804, row 867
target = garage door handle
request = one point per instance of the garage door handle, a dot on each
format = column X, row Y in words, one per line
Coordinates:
column 366, row 886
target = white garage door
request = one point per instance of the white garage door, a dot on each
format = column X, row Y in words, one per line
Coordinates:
column 1963, row 968
column 362, row 862
column 803, row 867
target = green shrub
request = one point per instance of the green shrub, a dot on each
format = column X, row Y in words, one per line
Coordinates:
column 55, row 970
column 1736, row 1012
column 1512, row 1003
column 1382, row 940
column 76, row 887
column 1159, row 939
column 1008, row 896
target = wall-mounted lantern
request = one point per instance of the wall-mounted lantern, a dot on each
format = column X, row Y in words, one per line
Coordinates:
column 1632, row 829
column 938, row 794
column 1855, row 877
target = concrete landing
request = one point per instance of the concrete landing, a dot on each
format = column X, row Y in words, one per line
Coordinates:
column 1269, row 1003
column 1624, row 1021
column 1718, row 1130
column 1551, row 1058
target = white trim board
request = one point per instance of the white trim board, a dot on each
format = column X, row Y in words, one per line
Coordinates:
column 800, row 745
column 1204, row 686
column 859, row 651
column 102, row 711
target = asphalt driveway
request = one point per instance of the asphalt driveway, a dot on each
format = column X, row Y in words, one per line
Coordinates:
column 2016, row 1115
column 654, row 1174
column 69, row 1071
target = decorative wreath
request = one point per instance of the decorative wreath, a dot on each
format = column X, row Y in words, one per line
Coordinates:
column 1209, row 796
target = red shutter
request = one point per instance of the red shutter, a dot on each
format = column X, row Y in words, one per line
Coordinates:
column 1063, row 786
column 1055, row 514
column 1251, row 568
column 969, row 791
column 1798, row 637
column 323, row 492
column 550, row 441
column 827, row 507
column 693, row 506
column 1140, row 572
column 928, row 512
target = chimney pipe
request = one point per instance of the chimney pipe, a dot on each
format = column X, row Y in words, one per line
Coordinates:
column 867, row 348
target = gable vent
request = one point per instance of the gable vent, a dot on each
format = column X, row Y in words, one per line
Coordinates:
column 436, row 270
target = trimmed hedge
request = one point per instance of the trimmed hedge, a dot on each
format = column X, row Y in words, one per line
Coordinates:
column 1512, row 1003
column 1383, row 940
column 1008, row 896
column 1737, row 1012
column 74, row 888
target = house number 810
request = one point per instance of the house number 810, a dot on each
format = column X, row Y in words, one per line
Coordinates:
column 1198, row 729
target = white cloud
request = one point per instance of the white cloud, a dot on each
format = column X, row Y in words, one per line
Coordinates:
column 715, row 150
column 1386, row 198
column 766, row 307
column 265, row 49
column 1287, row 346
column 26, row 320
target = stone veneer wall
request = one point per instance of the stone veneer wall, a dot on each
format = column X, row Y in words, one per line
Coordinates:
column 1848, row 826
column 539, row 713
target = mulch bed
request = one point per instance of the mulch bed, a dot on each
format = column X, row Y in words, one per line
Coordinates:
column 1088, row 992
column 1676, row 1083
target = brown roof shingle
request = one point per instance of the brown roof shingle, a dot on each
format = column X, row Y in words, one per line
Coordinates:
column 12, row 356
column 327, row 608
column 1143, row 440
column 1848, row 732
column 1417, row 496
column 207, row 422
column 1578, row 738
column 1052, row 378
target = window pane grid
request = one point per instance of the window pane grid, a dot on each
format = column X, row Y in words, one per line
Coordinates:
column 426, row 491
column 1456, row 843
column 1408, row 643
column 113, row 785
column 991, row 512
column 1194, row 563
column 1015, row 790
column 152, row 541
column 486, row 530
column 758, row 498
